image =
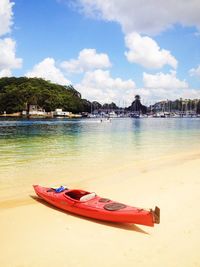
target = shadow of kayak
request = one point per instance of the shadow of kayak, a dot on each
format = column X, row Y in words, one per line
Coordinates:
column 124, row 226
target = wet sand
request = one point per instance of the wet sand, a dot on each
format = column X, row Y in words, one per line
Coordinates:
column 36, row 234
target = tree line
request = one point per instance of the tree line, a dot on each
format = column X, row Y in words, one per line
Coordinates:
column 18, row 94
column 179, row 105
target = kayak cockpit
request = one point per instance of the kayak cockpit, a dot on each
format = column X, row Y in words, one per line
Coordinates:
column 80, row 195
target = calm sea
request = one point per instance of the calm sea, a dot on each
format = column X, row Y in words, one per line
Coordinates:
column 91, row 140
column 38, row 148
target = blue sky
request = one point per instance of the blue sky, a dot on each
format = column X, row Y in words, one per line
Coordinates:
column 109, row 50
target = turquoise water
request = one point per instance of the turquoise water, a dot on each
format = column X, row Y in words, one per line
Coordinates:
column 91, row 142
column 76, row 152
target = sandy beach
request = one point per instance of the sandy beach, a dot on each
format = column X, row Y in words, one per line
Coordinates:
column 35, row 234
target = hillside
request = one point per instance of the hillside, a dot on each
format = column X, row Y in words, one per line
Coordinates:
column 17, row 94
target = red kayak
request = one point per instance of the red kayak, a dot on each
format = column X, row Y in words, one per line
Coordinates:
column 90, row 205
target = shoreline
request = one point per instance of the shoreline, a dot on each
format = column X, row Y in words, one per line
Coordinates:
column 83, row 177
column 79, row 116
column 34, row 234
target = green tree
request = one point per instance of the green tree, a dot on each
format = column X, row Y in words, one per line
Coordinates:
column 17, row 94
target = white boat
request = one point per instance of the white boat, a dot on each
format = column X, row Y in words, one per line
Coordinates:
column 105, row 120
column 91, row 115
column 112, row 114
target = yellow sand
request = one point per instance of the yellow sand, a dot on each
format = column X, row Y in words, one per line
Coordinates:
column 33, row 234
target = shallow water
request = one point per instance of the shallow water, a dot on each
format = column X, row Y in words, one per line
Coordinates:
column 52, row 140
column 44, row 149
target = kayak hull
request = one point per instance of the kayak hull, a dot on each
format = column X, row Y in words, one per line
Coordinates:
column 97, row 207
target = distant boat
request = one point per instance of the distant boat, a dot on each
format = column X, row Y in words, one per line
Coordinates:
column 161, row 115
column 105, row 120
column 134, row 115
column 175, row 115
column 91, row 115
column 112, row 114
column 90, row 205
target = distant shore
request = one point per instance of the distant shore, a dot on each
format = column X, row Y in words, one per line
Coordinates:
column 46, row 116
column 74, row 116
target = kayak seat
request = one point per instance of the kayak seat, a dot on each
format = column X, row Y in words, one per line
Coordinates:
column 88, row 197
column 80, row 195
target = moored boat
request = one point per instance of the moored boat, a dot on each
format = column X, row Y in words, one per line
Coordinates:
column 90, row 205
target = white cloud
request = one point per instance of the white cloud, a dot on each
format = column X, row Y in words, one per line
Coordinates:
column 8, row 59
column 159, row 94
column 146, row 52
column 6, row 15
column 47, row 70
column 88, row 59
column 162, row 86
column 190, row 93
column 195, row 72
column 5, row 73
column 100, row 86
column 167, row 86
column 150, row 17
column 147, row 17
column 163, row 81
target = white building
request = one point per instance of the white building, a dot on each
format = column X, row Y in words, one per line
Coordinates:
column 35, row 110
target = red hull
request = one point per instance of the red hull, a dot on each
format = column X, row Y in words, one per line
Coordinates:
column 97, row 207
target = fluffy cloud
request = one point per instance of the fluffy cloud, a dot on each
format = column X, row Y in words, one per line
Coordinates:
column 5, row 73
column 146, row 52
column 88, row 59
column 195, row 72
column 190, row 93
column 147, row 17
column 163, row 81
column 152, row 17
column 8, row 60
column 99, row 85
column 47, row 69
column 5, row 16
column 153, row 95
column 167, row 86
column 162, row 86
